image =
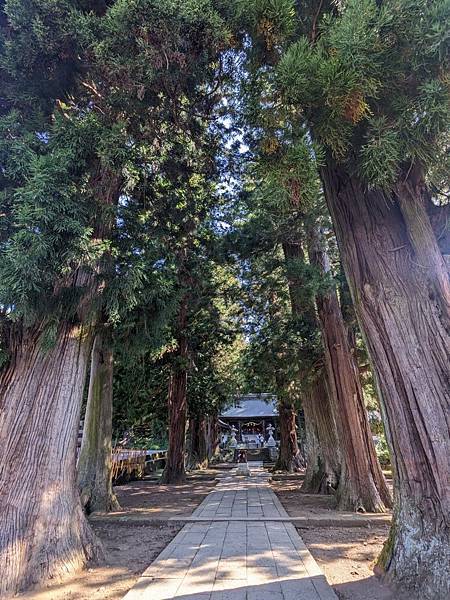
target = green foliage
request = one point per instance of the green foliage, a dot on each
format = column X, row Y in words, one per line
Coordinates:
column 39, row 56
column 128, row 129
column 382, row 451
column 49, row 220
column 156, row 61
column 371, row 81
column 140, row 391
column 271, row 20
column 283, row 346
column 144, row 359
column 111, row 187
column 380, row 155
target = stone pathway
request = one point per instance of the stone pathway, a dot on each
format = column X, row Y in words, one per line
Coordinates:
column 241, row 498
column 239, row 553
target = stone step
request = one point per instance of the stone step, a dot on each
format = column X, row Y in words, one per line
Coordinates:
column 230, row 559
column 258, row 455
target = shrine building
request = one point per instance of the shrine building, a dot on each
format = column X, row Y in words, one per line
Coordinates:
column 253, row 416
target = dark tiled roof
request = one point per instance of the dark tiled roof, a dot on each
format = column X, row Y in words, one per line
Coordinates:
column 252, row 405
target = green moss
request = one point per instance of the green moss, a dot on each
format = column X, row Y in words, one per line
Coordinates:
column 384, row 559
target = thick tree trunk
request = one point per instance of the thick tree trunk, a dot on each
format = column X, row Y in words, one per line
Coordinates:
column 321, row 445
column 94, row 463
column 348, row 314
column 43, row 531
column 362, row 485
column 411, row 194
column 290, row 458
column 197, row 453
column 322, row 469
column 174, row 471
column 212, row 436
column 401, row 319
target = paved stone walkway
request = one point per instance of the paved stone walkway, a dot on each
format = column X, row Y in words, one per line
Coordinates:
column 239, row 553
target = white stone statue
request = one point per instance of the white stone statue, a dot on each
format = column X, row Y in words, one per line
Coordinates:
column 242, row 468
column 233, row 441
column 271, row 443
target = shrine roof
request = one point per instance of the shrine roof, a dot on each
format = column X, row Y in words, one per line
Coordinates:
column 252, row 405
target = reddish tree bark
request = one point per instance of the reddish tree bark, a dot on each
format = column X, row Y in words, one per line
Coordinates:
column 362, row 485
column 323, row 462
column 94, row 463
column 197, row 451
column 404, row 326
column 212, row 436
column 43, row 531
column 412, row 196
column 174, row 471
column 290, row 457
column 322, row 471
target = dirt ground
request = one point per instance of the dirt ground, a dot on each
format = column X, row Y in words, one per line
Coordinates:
column 345, row 554
column 130, row 546
column 287, row 488
column 297, row 504
column 129, row 549
column 163, row 501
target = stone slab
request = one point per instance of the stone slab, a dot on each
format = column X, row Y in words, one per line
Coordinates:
column 235, row 558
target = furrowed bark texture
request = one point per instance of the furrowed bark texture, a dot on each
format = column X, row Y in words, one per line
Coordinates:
column 406, row 336
column 323, row 463
column 362, row 485
column 43, row 531
column 322, row 471
column 348, row 314
column 411, row 194
column 290, row 457
column 197, row 452
column 212, row 436
column 174, row 471
column 94, row 463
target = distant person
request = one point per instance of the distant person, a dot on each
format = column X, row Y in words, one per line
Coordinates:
column 242, row 456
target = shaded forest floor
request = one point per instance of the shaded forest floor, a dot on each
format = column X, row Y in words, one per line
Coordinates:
column 130, row 546
column 129, row 549
column 345, row 554
column 133, row 538
column 150, row 500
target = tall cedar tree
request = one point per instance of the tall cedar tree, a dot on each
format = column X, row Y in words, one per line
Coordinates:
column 288, row 171
column 282, row 347
column 103, row 89
column 94, row 467
column 199, row 332
column 215, row 341
column 369, row 80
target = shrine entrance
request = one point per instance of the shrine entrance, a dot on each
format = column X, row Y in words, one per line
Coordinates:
column 250, row 421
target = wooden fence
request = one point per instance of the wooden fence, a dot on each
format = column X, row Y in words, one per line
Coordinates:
column 133, row 464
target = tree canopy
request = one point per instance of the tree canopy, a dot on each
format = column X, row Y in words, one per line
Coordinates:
column 201, row 198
